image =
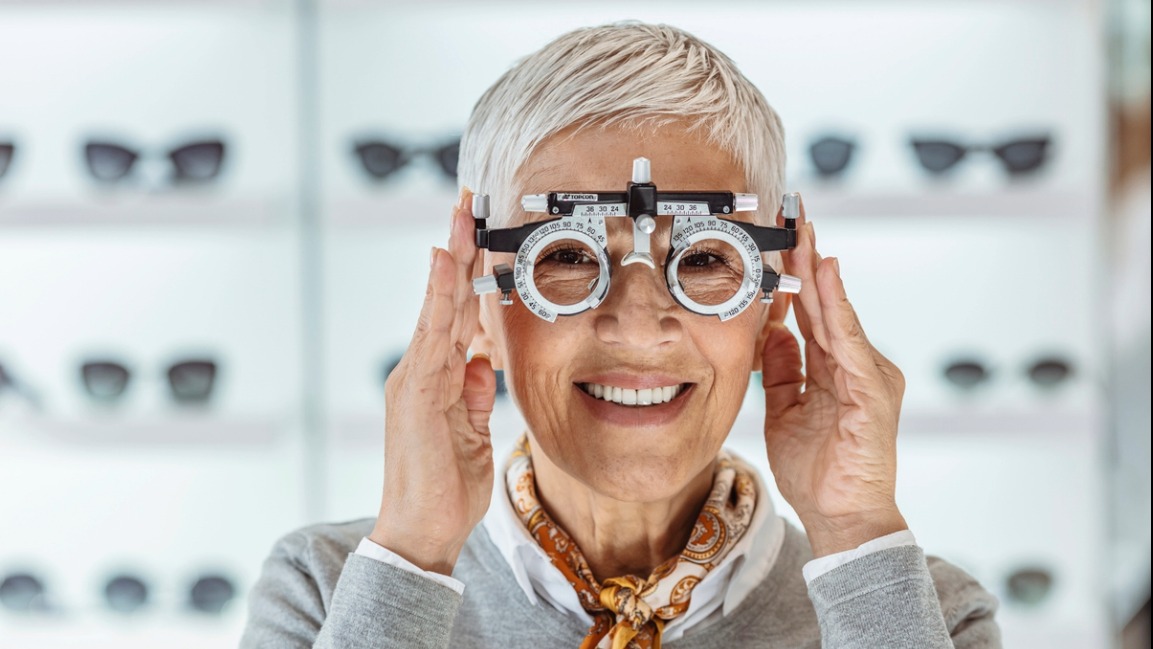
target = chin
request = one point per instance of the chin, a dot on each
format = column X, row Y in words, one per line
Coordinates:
column 638, row 478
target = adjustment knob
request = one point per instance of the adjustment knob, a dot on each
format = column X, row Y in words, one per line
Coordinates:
column 646, row 224
column 745, row 203
column 789, row 284
column 485, row 284
column 642, row 171
column 792, row 206
column 480, row 206
column 534, row 202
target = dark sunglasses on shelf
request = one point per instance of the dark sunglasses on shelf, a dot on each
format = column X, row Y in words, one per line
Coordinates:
column 9, row 383
column 1018, row 156
column 193, row 162
column 381, row 159
column 189, row 381
column 831, row 155
column 7, row 151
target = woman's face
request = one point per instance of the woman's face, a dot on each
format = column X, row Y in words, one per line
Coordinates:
column 639, row 338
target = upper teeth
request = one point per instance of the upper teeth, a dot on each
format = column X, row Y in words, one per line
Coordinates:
column 631, row 397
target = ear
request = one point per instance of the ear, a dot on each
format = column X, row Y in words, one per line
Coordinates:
column 777, row 312
column 484, row 341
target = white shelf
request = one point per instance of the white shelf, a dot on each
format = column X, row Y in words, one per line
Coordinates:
column 149, row 210
column 1043, row 424
column 127, row 632
column 110, row 429
column 1031, row 202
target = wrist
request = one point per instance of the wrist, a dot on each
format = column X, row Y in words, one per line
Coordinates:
column 832, row 535
column 417, row 548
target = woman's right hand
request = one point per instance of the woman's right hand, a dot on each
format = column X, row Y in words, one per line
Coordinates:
column 438, row 466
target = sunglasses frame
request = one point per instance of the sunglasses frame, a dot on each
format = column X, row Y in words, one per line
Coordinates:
column 7, row 153
column 404, row 155
column 1002, row 151
column 179, row 394
column 181, row 171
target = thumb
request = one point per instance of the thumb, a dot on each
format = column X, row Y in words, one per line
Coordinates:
column 781, row 373
column 479, row 392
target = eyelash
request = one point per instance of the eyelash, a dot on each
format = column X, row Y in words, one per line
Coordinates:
column 551, row 254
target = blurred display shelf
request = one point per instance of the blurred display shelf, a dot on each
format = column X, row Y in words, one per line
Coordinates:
column 946, row 201
column 227, row 4
column 400, row 208
column 124, row 632
column 403, row 206
column 149, row 210
column 997, row 423
column 357, row 429
column 196, row 429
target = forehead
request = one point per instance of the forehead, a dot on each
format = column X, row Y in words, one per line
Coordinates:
column 601, row 159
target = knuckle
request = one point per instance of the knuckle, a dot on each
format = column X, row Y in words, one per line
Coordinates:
column 424, row 322
column 393, row 382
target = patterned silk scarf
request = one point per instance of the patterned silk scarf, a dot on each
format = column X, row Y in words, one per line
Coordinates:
column 630, row 612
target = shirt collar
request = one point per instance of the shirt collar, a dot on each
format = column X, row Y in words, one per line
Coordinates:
column 726, row 585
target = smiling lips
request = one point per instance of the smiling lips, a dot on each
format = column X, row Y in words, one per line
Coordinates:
column 630, row 396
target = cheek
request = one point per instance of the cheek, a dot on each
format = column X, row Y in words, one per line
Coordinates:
column 535, row 358
column 731, row 349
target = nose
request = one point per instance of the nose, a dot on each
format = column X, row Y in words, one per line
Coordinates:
column 638, row 311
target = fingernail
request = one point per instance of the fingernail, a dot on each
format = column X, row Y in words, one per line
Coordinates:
column 432, row 257
column 837, row 267
column 465, row 197
column 482, row 355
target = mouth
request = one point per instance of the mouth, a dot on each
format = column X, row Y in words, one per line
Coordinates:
column 635, row 397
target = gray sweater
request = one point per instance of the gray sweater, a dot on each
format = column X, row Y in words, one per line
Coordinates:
column 315, row 592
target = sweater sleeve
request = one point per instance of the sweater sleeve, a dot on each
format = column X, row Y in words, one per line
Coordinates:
column 305, row 597
column 896, row 598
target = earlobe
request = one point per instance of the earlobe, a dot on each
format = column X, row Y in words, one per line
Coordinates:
column 775, row 314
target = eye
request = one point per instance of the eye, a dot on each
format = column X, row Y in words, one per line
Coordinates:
column 701, row 259
column 711, row 257
column 567, row 256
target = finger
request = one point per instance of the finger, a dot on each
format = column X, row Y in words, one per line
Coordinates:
column 790, row 267
column 819, row 367
column 781, row 374
column 462, row 245
column 432, row 342
column 849, row 347
column 802, row 262
column 479, row 392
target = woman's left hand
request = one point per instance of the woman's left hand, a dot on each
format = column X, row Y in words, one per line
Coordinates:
column 832, row 435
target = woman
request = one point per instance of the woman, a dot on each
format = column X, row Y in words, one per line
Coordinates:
column 616, row 523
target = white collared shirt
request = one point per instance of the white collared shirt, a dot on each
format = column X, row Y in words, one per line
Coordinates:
column 718, row 593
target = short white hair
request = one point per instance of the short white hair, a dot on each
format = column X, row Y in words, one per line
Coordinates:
column 630, row 74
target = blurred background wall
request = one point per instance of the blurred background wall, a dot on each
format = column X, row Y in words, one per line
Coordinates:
column 210, row 256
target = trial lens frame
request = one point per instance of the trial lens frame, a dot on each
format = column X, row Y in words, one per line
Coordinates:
column 581, row 215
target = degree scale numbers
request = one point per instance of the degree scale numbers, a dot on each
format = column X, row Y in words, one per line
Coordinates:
column 589, row 230
column 689, row 231
column 599, row 209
